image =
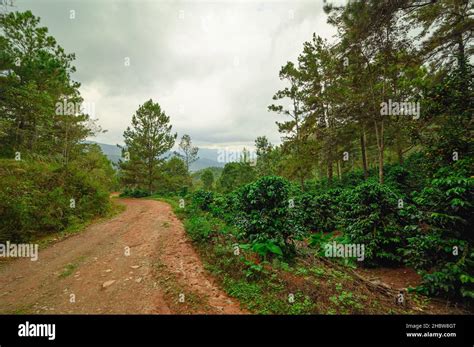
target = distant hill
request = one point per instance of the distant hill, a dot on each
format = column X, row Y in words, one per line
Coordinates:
column 207, row 156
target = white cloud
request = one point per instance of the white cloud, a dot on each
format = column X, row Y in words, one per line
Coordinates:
column 213, row 66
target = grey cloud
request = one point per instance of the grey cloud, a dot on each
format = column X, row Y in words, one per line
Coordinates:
column 213, row 66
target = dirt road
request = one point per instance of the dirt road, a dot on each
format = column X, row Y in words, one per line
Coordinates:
column 137, row 262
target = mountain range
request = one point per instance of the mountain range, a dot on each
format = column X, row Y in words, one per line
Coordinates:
column 207, row 156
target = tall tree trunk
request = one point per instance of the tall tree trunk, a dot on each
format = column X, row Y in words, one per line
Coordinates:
column 66, row 142
column 34, row 133
column 150, row 176
column 330, row 169
column 363, row 147
column 462, row 68
column 379, row 134
column 400, row 154
column 399, row 145
column 461, row 48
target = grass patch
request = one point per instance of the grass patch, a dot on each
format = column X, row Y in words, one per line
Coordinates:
column 68, row 270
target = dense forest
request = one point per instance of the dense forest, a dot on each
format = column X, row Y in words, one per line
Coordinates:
column 376, row 156
column 50, row 178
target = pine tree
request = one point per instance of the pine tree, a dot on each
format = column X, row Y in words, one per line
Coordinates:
column 298, row 163
column 145, row 144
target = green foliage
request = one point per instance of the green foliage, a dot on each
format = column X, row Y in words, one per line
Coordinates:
column 221, row 206
column 235, row 175
column 319, row 239
column 134, row 193
column 448, row 200
column 264, row 214
column 203, row 199
column 97, row 166
column 264, row 248
column 148, row 139
column 346, row 302
column 320, row 211
column 440, row 229
column 334, row 109
column 173, row 178
column 35, row 199
column 351, row 178
column 252, row 270
column 207, row 179
column 188, row 152
column 60, row 181
column 266, row 157
column 41, row 79
column 452, row 279
column 200, row 228
column 369, row 215
column 398, row 178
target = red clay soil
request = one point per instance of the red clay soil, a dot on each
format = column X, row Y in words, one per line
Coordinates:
column 95, row 269
column 399, row 278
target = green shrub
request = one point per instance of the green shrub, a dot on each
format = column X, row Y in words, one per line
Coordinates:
column 174, row 178
column 203, row 199
column 134, row 193
column 348, row 179
column 199, row 227
column 398, row 178
column 352, row 178
column 440, row 245
column 263, row 248
column 452, row 279
column 320, row 211
column 264, row 214
column 370, row 216
column 448, row 201
column 221, row 206
column 235, row 175
column 35, row 199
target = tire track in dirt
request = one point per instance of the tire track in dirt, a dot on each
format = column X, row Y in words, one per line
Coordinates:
column 95, row 269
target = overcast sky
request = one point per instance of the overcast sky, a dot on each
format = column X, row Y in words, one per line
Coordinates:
column 212, row 66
